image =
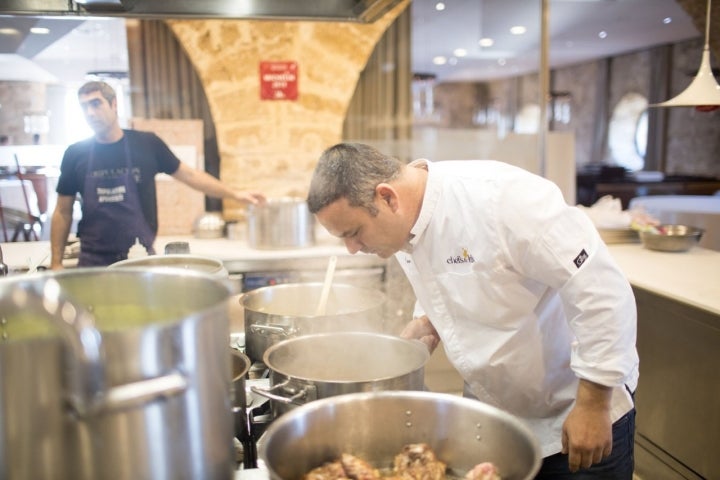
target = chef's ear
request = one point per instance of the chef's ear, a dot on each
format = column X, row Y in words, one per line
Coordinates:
column 387, row 195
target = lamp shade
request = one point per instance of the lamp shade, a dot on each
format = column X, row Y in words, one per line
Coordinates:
column 704, row 90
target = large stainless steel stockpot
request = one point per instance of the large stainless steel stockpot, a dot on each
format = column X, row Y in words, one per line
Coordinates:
column 280, row 312
column 121, row 374
column 376, row 425
column 311, row 367
column 284, row 222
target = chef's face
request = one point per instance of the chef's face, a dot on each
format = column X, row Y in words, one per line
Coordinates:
column 100, row 114
column 382, row 234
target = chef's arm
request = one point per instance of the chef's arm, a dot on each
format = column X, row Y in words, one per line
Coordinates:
column 420, row 328
column 587, row 431
column 212, row 187
column 60, row 229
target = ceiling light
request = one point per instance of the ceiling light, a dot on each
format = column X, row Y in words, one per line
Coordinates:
column 703, row 92
column 603, row 34
column 440, row 6
column 460, row 52
column 439, row 60
column 667, row 20
column 518, row 30
column 40, row 30
column 486, row 42
column 9, row 31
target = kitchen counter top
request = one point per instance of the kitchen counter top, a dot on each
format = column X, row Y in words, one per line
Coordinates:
column 691, row 277
column 236, row 255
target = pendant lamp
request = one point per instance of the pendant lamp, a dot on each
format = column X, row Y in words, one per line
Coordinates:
column 704, row 91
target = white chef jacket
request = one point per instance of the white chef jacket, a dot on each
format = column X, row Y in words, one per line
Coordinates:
column 522, row 291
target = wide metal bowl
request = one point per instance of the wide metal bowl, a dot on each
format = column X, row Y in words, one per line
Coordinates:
column 671, row 238
column 376, row 425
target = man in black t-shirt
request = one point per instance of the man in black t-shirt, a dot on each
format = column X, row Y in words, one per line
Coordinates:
column 114, row 174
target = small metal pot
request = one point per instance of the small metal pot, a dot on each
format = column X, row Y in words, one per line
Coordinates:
column 279, row 312
column 284, row 222
column 376, row 425
column 311, row 367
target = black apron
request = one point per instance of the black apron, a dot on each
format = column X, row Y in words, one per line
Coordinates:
column 112, row 216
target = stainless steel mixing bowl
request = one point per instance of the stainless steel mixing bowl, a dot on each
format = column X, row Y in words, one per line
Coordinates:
column 671, row 238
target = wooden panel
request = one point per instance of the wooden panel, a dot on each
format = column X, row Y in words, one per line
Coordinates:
column 178, row 204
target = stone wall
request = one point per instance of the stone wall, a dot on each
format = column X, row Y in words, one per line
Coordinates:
column 272, row 145
column 19, row 99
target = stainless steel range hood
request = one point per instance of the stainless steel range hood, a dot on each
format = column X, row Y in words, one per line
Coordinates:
column 363, row 11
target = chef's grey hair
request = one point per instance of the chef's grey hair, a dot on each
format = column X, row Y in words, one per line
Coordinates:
column 95, row 86
column 352, row 171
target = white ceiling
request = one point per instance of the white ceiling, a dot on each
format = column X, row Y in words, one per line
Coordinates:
column 574, row 27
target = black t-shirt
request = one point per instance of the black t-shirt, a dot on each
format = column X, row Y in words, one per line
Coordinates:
column 149, row 155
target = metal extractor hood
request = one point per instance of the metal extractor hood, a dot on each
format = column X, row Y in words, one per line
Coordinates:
column 363, row 11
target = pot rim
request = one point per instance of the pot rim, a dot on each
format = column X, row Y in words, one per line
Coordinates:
column 246, row 297
column 335, row 403
column 284, row 344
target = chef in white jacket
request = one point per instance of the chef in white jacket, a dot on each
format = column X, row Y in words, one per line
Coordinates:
column 524, row 295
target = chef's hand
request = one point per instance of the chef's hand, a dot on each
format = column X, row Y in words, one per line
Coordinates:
column 587, row 431
column 420, row 328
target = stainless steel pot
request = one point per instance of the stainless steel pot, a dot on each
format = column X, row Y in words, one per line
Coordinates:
column 279, row 312
column 284, row 222
column 179, row 261
column 121, row 374
column 376, row 425
column 240, row 368
column 311, row 367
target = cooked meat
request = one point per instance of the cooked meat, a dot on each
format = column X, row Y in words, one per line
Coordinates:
column 357, row 468
column 483, row 471
column 415, row 461
column 329, row 471
column 418, row 462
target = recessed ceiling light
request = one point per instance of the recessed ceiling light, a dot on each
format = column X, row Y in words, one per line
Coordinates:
column 440, row 6
column 667, row 20
column 439, row 60
column 460, row 52
column 40, row 30
column 602, row 34
column 518, row 30
column 486, row 42
column 8, row 31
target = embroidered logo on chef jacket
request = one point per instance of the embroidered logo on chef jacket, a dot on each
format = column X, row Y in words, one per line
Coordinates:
column 580, row 259
column 464, row 257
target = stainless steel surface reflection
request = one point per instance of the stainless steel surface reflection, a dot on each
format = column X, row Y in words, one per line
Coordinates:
column 149, row 394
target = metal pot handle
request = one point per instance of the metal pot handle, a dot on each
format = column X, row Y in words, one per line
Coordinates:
column 77, row 328
column 301, row 393
column 87, row 393
column 273, row 329
column 138, row 393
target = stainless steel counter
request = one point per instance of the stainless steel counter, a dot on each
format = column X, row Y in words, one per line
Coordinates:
column 236, row 255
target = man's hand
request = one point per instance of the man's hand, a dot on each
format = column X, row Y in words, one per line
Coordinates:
column 420, row 328
column 255, row 198
column 587, row 431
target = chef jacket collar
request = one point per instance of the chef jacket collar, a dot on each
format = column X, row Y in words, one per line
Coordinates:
column 430, row 200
